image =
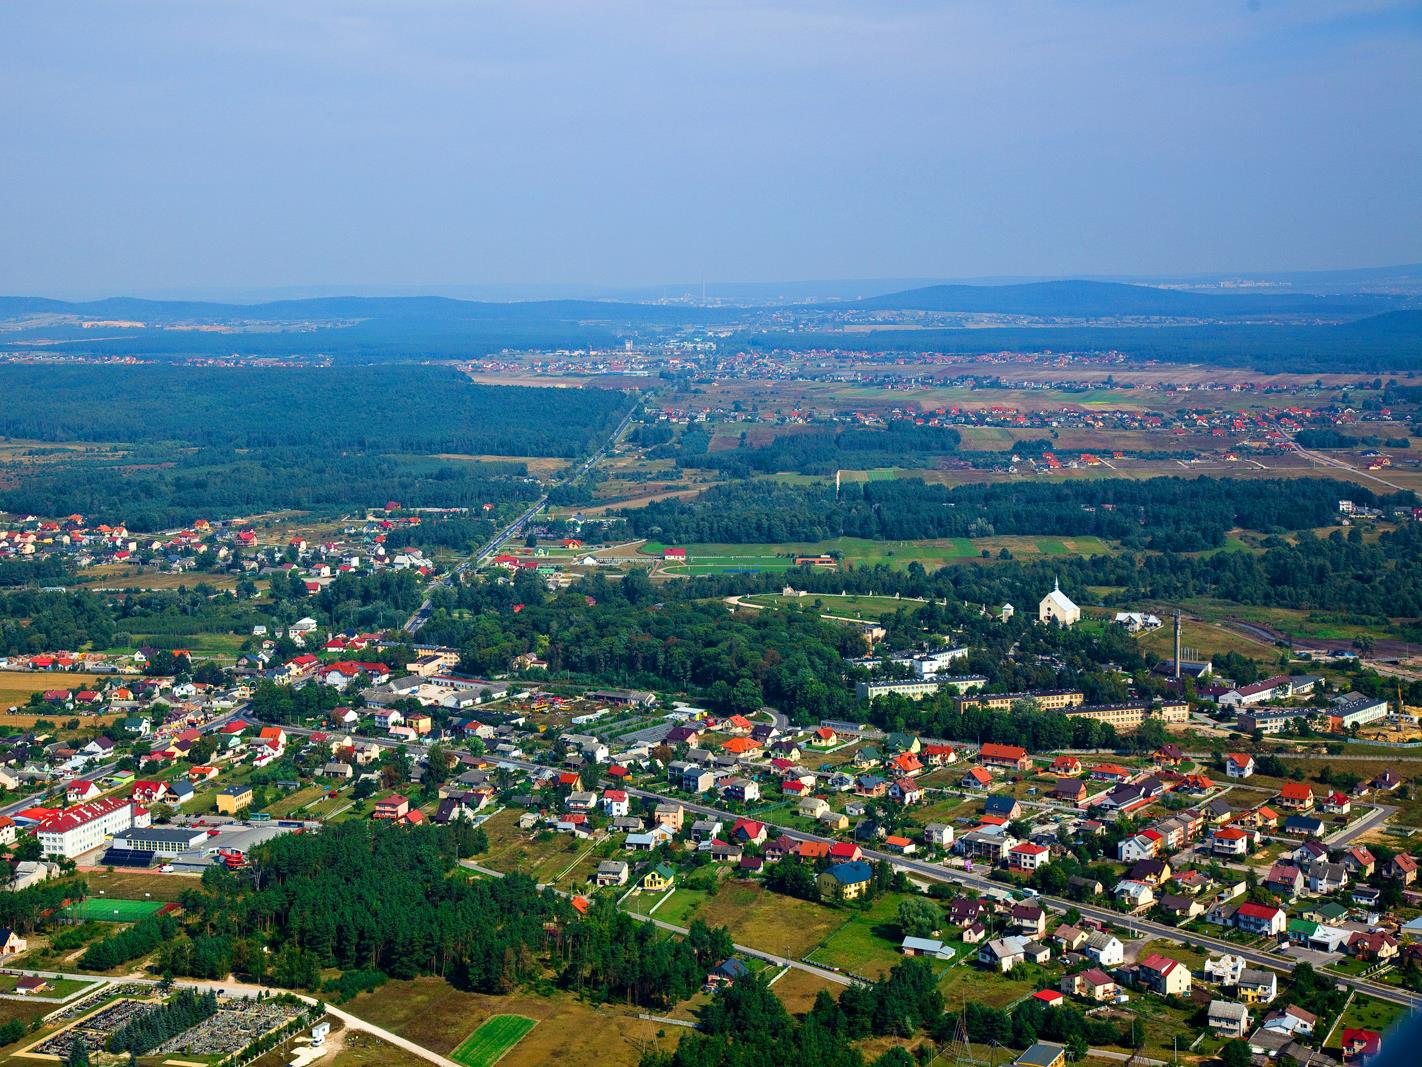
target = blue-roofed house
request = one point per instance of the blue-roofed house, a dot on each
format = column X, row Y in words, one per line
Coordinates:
column 846, row 881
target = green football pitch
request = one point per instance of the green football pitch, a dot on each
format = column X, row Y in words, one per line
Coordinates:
column 489, row 1044
column 105, row 909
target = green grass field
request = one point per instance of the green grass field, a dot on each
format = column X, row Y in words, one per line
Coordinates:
column 939, row 552
column 489, row 1044
column 850, row 607
column 114, row 910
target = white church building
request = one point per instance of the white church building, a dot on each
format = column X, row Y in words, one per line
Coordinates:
column 1057, row 607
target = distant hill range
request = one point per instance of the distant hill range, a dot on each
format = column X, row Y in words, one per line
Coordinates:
column 1095, row 300
column 1046, row 300
column 1345, row 331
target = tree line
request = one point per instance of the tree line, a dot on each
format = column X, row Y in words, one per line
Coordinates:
column 1166, row 514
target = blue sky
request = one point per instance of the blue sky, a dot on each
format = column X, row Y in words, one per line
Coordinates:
column 160, row 145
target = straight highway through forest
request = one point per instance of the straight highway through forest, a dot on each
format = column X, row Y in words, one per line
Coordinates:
column 476, row 561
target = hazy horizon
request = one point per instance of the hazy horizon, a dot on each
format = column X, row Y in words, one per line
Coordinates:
column 167, row 148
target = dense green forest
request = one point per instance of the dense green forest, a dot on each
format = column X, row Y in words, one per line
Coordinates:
column 1168, row 514
column 360, row 896
column 747, row 1026
column 378, row 901
column 158, row 489
column 395, row 408
column 625, row 633
column 213, row 442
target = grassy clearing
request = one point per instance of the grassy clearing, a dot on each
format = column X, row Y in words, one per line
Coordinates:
column 59, row 988
column 489, row 1044
column 867, row 943
column 1206, row 639
column 682, row 907
column 538, row 466
column 434, row 1014
column 122, row 576
column 964, row 982
column 1300, row 624
column 853, row 607
column 797, row 990
column 543, row 855
column 765, row 920
column 138, row 885
column 933, row 553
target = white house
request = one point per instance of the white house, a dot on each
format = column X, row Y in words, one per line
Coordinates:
column 1105, row 949
column 1239, row 765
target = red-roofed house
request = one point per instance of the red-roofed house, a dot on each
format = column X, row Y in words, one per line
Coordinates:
column 905, row 764
column 1360, row 1045
column 148, row 792
column 906, row 791
column 1230, row 841
column 1261, row 919
column 748, row 831
column 81, row 790
column 976, row 778
column 1161, row 974
column 1296, row 796
column 1006, row 757
column 1028, row 857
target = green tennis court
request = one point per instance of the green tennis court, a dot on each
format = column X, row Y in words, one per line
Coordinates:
column 104, row 909
column 489, row 1044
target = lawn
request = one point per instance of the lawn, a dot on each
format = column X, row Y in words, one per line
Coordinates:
column 682, row 907
column 797, row 989
column 867, row 944
column 1368, row 1014
column 113, row 909
column 489, row 1044
column 122, row 576
column 542, row 854
column 854, row 607
column 59, row 988
column 1206, row 639
column 285, row 805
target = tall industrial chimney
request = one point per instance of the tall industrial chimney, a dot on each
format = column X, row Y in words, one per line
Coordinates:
column 1177, row 645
